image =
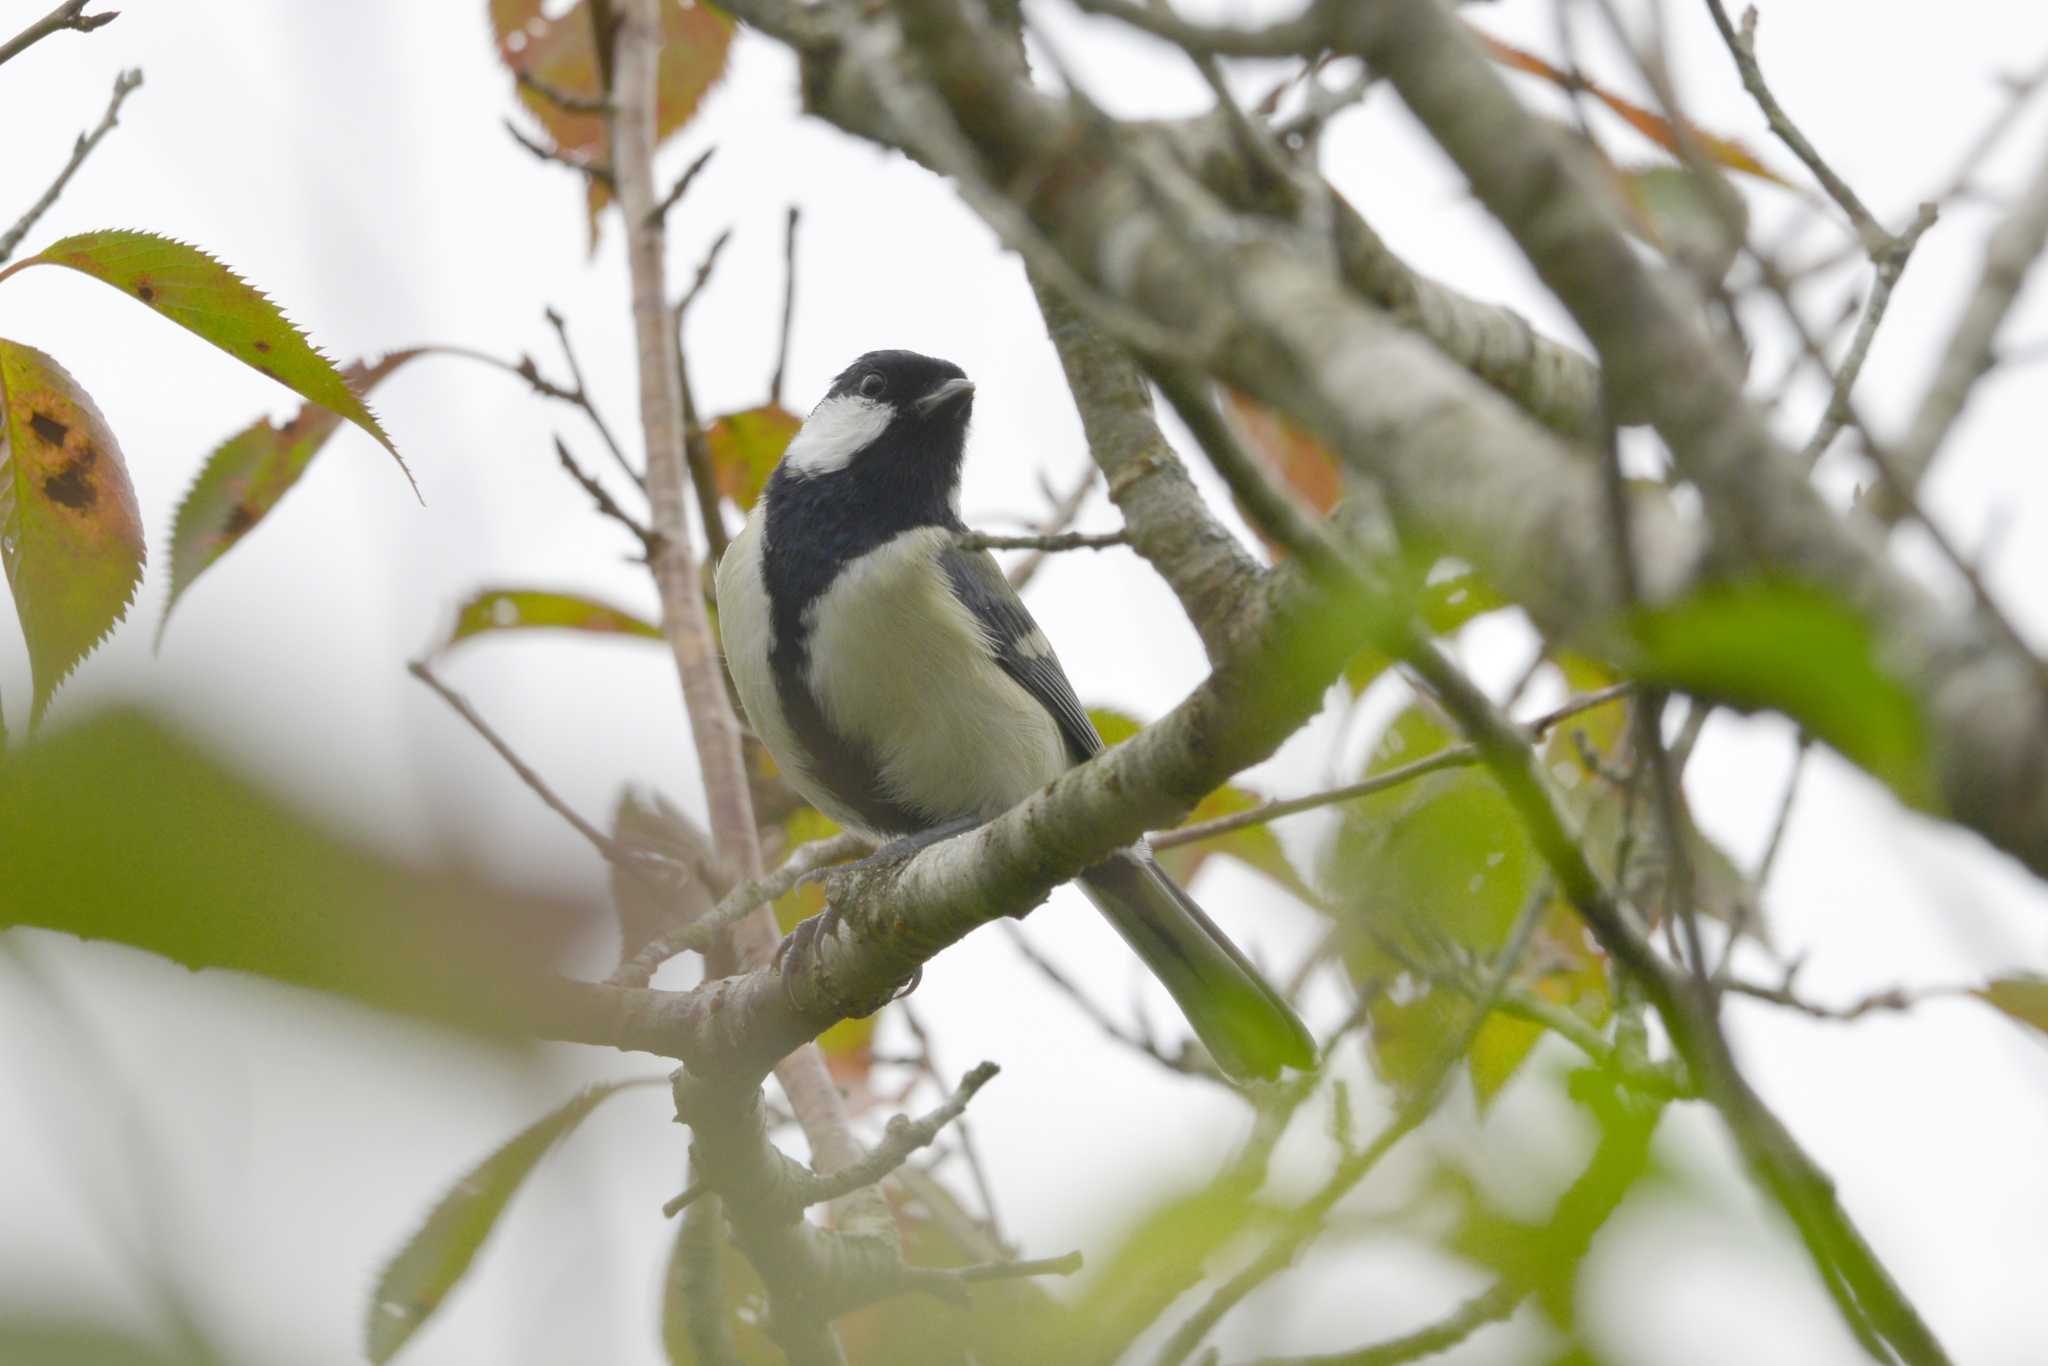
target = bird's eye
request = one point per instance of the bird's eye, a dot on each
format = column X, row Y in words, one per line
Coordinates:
column 872, row 385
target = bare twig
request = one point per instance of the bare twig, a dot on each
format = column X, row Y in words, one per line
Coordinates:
column 80, row 150
column 788, row 303
column 1045, row 542
column 928, row 1060
column 1742, row 47
column 609, row 848
column 580, row 395
column 1065, row 508
column 682, row 185
column 69, row 15
column 590, row 169
column 1458, row 756
column 1190, row 1062
column 567, row 101
column 1890, row 999
column 903, row 1137
column 2015, row 245
column 741, row 901
column 602, row 497
column 950, row 1282
column 703, row 275
column 1308, row 1220
column 1490, row 1305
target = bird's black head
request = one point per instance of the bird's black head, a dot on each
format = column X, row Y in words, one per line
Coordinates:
column 891, row 430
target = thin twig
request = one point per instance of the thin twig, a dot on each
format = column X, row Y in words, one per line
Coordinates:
column 565, row 100
column 69, row 15
column 1891, row 999
column 581, row 397
column 928, row 1060
column 1890, row 265
column 602, row 497
column 1065, row 508
column 1742, row 47
column 80, row 150
column 1490, row 1305
column 1308, row 1220
column 1458, row 756
column 1045, row 542
column 735, row 905
column 681, row 187
column 594, row 171
column 1189, row 1062
column 611, row 849
column 903, row 1137
column 788, row 303
column 949, row 1282
column 703, row 275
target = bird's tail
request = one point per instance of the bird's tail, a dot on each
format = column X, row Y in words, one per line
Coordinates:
column 1245, row 1024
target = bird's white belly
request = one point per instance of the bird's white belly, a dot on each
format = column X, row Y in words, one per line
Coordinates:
column 899, row 665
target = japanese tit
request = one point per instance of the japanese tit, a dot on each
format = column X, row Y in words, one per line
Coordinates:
column 904, row 689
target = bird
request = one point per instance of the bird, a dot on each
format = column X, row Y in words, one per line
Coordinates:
column 903, row 688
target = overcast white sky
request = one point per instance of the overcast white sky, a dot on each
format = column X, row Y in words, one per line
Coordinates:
column 349, row 159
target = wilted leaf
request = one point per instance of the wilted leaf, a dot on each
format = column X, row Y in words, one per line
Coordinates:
column 1671, row 137
column 70, row 535
column 119, row 829
column 1290, row 454
column 525, row 609
column 561, row 53
column 247, row 475
column 744, row 448
column 645, row 905
column 419, row 1278
column 1797, row 650
column 2023, row 998
column 206, row 298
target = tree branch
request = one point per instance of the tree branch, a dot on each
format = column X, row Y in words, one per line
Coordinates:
column 124, row 83
column 70, row 15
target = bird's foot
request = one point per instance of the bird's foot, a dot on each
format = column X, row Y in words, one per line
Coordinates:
column 901, row 848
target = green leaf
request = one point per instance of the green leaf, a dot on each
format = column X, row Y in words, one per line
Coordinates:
column 2023, row 998
column 1444, row 607
column 524, row 609
column 433, row 1260
column 1800, row 651
column 206, row 298
column 745, row 447
column 249, row 474
column 36, row 1338
column 120, row 829
column 70, row 535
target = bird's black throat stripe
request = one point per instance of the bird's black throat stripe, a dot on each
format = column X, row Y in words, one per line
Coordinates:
column 806, row 543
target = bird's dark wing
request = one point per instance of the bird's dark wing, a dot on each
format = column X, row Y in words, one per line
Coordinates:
column 1019, row 646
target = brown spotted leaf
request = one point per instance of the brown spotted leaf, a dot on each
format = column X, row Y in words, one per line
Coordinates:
column 247, row 475
column 204, row 297
column 70, row 535
column 525, row 609
column 559, row 53
column 419, row 1278
column 745, row 447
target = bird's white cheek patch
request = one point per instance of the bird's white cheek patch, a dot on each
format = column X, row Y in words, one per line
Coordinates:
column 837, row 430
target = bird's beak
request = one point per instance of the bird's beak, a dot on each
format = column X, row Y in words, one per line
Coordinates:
column 944, row 394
